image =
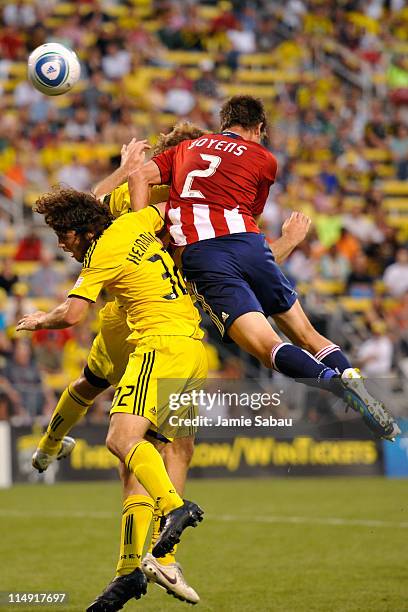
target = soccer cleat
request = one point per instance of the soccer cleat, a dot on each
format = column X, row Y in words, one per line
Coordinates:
column 119, row 591
column 175, row 522
column 374, row 413
column 169, row 577
column 41, row 460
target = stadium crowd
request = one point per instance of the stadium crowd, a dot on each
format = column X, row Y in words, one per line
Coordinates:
column 334, row 78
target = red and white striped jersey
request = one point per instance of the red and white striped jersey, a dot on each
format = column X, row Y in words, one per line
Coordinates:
column 218, row 183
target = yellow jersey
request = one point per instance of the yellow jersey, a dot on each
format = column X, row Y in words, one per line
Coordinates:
column 130, row 263
column 119, row 199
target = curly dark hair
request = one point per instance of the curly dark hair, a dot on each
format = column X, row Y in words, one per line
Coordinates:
column 184, row 130
column 246, row 111
column 66, row 209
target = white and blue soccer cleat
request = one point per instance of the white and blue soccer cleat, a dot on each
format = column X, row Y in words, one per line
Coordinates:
column 169, row 577
column 374, row 413
column 41, row 460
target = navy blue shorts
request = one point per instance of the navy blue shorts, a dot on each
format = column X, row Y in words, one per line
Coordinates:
column 235, row 274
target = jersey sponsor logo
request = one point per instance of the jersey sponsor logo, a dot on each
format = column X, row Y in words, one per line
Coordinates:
column 79, row 282
column 224, row 316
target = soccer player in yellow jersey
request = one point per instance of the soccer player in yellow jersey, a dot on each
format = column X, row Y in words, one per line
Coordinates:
column 106, row 364
column 125, row 258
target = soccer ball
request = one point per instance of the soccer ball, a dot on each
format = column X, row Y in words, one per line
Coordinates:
column 53, row 69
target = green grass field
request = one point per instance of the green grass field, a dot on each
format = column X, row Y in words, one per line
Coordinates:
column 295, row 545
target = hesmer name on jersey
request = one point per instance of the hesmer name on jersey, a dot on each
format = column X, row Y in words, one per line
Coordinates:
column 205, row 421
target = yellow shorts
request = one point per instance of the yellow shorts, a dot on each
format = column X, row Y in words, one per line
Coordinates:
column 159, row 370
column 109, row 355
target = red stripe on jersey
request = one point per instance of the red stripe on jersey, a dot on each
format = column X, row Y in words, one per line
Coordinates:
column 188, row 225
column 218, row 222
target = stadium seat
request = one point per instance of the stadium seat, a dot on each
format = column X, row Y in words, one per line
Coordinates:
column 395, row 204
column 395, row 187
column 380, row 155
column 328, row 287
column 257, row 59
column 64, row 8
column 355, row 304
column 307, row 169
column 234, row 89
column 7, row 250
column 186, row 58
column 268, row 76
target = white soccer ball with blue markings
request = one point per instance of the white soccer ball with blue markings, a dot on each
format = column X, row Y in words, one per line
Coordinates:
column 53, row 69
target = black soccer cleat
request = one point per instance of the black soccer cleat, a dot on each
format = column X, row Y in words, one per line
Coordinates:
column 175, row 522
column 119, row 591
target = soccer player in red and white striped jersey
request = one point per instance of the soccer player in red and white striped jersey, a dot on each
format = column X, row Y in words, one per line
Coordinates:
column 219, row 185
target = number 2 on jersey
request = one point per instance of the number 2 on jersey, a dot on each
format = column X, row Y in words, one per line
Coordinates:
column 187, row 192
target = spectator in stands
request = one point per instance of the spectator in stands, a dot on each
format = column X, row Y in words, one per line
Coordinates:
column 179, row 98
column 47, row 345
column 22, row 372
column 11, row 406
column 18, row 303
column 207, row 84
column 29, row 248
column 333, row 266
column 19, row 14
column 76, row 175
column 116, row 62
column 362, row 226
column 399, row 151
column 359, row 282
column 8, row 278
column 81, row 126
column 375, row 355
column 300, row 265
column 396, row 275
column 46, row 279
column 376, row 128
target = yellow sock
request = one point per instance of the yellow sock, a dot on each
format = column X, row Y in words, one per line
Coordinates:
column 136, row 519
column 170, row 557
column 146, row 463
column 69, row 410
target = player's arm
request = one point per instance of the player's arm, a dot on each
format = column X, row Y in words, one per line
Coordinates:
column 132, row 157
column 294, row 231
column 140, row 182
column 67, row 314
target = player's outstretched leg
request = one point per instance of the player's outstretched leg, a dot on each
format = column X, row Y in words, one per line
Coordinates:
column 297, row 327
column 165, row 571
column 253, row 333
column 119, row 591
column 72, row 406
column 125, row 440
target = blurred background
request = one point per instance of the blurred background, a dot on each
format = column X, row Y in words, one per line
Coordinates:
column 334, row 79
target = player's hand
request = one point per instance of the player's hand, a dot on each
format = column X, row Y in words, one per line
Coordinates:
column 133, row 154
column 295, row 228
column 31, row 322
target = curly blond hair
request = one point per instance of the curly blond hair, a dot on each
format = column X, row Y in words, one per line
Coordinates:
column 181, row 131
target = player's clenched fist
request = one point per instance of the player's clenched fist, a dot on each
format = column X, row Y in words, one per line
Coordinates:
column 295, row 228
column 31, row 322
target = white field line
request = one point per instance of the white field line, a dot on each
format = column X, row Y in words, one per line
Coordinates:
column 222, row 518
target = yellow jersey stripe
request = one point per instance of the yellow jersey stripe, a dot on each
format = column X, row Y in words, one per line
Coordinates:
column 145, row 383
